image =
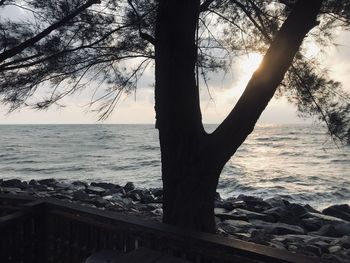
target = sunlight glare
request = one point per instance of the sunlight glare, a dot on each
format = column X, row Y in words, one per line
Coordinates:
column 251, row 63
column 311, row 49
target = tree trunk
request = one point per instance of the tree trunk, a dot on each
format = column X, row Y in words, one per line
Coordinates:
column 192, row 160
column 189, row 189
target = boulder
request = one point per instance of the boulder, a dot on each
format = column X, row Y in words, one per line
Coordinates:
column 275, row 201
column 278, row 228
column 118, row 190
column 61, row 196
column 309, row 208
column 253, row 215
column 283, row 229
column 104, row 185
column 314, row 250
column 325, row 218
column 334, row 230
column 63, row 186
column 147, row 198
column 49, row 181
column 129, row 186
column 98, row 201
column 345, row 242
column 283, row 215
column 157, row 212
column 14, row 183
column 11, row 190
column 223, row 214
column 230, row 204
column 157, row 192
column 339, row 211
column 228, row 228
column 253, row 203
column 296, row 209
column 334, row 249
column 134, row 196
column 238, row 224
column 95, row 190
column 80, row 183
column 33, row 182
column 81, row 196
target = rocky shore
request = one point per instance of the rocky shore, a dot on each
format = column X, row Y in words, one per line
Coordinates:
column 272, row 222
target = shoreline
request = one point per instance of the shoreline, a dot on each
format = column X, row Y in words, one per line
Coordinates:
column 272, row 222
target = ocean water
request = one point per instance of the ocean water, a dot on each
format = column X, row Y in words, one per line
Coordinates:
column 297, row 162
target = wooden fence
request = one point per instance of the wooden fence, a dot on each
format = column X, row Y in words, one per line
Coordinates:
column 49, row 230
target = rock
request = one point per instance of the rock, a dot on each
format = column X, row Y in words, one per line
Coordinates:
column 49, row 182
column 345, row 242
column 342, row 229
column 283, row 215
column 217, row 197
column 80, row 183
column 253, row 215
column 253, row 203
column 134, row 196
column 239, row 224
column 314, row 250
column 322, row 245
column 129, row 187
column 33, row 182
column 275, row 201
column 311, row 224
column 95, row 190
column 61, row 196
column 309, row 208
column 147, row 198
column 11, row 190
column 104, row 185
column 324, row 218
column 223, row 214
column 334, row 230
column 119, row 191
column 98, row 201
column 157, row 212
column 228, row 228
column 282, row 229
column 63, row 186
column 278, row 228
column 157, row 192
column 296, row 209
column 339, row 211
column 12, row 183
column 259, row 236
column 81, row 196
column 334, row 249
column 230, row 204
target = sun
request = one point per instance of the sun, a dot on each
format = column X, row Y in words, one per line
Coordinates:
column 251, row 62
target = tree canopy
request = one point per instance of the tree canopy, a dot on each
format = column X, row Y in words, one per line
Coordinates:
column 69, row 45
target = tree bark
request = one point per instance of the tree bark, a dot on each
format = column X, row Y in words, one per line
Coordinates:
column 188, row 189
column 192, row 160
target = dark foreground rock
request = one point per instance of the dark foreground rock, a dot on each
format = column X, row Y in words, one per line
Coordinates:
column 272, row 222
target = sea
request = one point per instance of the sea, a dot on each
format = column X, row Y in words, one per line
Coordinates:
column 297, row 162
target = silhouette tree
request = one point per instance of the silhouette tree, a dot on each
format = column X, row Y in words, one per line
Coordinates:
column 69, row 45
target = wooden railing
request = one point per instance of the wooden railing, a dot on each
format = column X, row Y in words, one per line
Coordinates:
column 49, row 230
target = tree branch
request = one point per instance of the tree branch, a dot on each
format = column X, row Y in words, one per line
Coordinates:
column 17, row 49
column 264, row 82
column 143, row 35
column 205, row 5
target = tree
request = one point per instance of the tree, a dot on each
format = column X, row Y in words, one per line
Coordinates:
column 81, row 43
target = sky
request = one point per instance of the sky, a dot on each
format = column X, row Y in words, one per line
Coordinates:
column 224, row 94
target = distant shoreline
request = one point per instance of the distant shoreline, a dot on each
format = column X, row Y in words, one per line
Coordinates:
column 272, row 222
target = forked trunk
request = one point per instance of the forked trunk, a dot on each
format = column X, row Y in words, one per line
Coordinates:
column 192, row 160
